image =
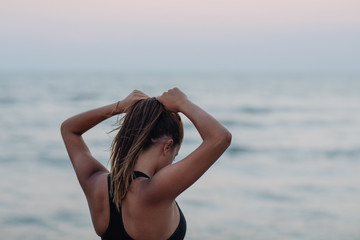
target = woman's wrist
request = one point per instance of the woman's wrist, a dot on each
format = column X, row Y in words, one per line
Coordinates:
column 117, row 108
column 184, row 105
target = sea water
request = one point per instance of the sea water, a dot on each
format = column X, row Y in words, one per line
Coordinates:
column 292, row 171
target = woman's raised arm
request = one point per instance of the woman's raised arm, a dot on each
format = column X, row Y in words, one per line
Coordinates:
column 85, row 165
column 170, row 181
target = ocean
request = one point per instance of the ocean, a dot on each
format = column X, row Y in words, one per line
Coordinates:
column 292, row 171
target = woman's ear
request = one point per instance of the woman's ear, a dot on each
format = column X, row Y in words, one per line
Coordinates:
column 168, row 146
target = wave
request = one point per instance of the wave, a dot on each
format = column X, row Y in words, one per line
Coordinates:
column 271, row 196
column 235, row 149
column 255, row 110
column 352, row 154
column 7, row 100
column 245, row 124
column 85, row 96
column 263, row 110
column 25, row 220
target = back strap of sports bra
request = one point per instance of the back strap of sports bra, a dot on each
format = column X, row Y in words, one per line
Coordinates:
column 140, row 174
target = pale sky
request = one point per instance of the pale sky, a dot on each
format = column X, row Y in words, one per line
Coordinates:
column 266, row 35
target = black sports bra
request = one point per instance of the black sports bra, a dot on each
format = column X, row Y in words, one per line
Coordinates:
column 116, row 229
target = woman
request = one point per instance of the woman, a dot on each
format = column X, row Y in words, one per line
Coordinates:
column 137, row 199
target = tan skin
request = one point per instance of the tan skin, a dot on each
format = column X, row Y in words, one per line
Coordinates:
column 148, row 210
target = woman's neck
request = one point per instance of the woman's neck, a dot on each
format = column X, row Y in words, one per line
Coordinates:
column 147, row 161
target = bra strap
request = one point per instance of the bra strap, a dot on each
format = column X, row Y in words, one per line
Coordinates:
column 140, row 174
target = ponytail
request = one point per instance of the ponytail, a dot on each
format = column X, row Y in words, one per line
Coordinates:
column 146, row 120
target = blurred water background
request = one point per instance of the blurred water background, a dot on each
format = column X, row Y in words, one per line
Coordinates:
column 292, row 171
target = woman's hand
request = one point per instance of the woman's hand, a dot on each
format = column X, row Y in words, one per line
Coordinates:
column 131, row 99
column 173, row 99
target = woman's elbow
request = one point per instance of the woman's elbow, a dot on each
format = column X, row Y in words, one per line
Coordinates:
column 227, row 138
column 64, row 128
column 223, row 140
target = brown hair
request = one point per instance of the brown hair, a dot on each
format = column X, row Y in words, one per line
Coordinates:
column 146, row 121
